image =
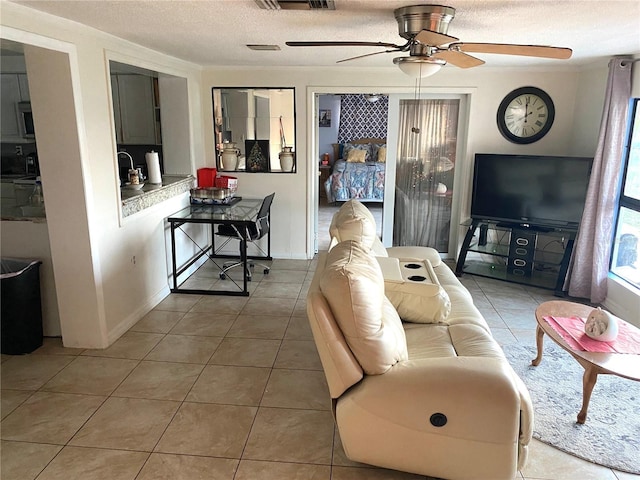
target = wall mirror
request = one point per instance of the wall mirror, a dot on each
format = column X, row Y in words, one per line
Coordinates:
column 255, row 129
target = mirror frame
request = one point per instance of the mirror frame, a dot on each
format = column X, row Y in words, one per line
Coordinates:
column 281, row 128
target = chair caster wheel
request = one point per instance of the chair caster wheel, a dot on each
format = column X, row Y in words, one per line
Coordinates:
column 223, row 276
column 266, row 271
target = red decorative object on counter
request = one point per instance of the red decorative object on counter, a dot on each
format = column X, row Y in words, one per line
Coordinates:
column 227, row 181
column 206, row 177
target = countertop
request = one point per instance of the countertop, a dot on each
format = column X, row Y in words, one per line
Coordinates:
column 134, row 201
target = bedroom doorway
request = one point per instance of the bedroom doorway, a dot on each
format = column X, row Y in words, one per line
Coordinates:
column 352, row 134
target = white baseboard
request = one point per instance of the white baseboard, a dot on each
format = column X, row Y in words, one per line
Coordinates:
column 136, row 315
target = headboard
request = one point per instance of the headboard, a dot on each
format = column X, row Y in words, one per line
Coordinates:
column 360, row 141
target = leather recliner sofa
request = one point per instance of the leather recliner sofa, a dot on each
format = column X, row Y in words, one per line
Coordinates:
column 434, row 396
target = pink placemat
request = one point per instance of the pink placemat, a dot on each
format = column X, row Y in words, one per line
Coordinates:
column 571, row 329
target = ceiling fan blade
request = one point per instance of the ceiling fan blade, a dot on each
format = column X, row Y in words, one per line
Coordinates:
column 459, row 59
column 511, row 49
column 434, row 39
column 367, row 55
column 343, row 44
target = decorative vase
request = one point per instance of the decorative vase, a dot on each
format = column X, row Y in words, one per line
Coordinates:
column 601, row 325
column 230, row 157
column 286, row 159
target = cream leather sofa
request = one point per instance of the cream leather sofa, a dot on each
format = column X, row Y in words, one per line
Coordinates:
column 436, row 398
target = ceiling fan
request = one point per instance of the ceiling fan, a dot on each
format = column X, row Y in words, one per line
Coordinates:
column 425, row 29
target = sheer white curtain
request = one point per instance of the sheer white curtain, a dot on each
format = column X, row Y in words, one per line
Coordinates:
column 590, row 263
column 424, row 172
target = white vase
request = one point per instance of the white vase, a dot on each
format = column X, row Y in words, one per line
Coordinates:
column 286, row 159
column 230, row 157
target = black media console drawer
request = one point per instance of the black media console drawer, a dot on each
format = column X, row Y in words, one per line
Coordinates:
column 522, row 247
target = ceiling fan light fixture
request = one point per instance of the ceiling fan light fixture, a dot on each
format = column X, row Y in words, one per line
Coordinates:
column 419, row 67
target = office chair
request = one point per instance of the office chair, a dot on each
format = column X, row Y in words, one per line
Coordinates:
column 253, row 232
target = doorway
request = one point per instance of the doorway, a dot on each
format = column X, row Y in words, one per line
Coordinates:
column 351, row 156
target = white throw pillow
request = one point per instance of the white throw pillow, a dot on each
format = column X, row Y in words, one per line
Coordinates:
column 353, row 286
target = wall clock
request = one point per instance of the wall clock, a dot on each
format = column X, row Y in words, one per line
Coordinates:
column 525, row 115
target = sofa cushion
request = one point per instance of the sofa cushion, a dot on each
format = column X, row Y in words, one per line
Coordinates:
column 353, row 286
column 353, row 221
column 421, row 253
column 415, row 292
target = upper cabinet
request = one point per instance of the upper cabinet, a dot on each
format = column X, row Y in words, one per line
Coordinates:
column 13, row 90
column 258, row 126
column 135, row 109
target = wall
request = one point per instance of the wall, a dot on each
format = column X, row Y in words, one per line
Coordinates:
column 293, row 218
column 329, row 135
column 109, row 271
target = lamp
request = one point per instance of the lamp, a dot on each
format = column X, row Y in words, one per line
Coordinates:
column 419, row 66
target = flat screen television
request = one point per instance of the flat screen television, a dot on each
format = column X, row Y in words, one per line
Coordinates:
column 530, row 190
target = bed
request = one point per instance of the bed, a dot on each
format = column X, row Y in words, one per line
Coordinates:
column 359, row 171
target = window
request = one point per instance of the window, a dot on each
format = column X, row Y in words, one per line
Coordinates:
column 625, row 261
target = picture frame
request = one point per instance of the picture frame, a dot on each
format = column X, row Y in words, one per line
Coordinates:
column 257, row 156
column 325, row 118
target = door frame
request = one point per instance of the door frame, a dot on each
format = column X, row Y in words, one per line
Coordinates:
column 461, row 175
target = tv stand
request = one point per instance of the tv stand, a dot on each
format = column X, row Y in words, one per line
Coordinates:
column 524, row 254
column 524, row 226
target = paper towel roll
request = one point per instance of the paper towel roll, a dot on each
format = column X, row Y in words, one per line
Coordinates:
column 153, row 167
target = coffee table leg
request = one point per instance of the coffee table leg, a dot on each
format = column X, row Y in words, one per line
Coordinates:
column 539, row 343
column 588, row 382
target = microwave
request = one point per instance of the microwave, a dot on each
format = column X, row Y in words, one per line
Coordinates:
column 25, row 120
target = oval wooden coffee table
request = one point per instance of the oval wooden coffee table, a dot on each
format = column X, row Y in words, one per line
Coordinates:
column 594, row 363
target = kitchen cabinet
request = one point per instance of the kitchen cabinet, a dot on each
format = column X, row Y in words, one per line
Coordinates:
column 13, row 89
column 24, row 87
column 134, row 109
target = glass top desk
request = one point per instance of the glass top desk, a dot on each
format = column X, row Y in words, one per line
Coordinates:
column 241, row 214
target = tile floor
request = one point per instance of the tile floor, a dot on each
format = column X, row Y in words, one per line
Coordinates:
column 224, row 388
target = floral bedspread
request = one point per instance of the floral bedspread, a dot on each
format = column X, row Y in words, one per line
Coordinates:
column 364, row 181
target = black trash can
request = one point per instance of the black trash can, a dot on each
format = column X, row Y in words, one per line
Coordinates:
column 21, row 307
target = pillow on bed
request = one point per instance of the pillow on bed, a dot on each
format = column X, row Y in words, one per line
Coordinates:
column 356, row 156
column 382, row 154
column 348, row 147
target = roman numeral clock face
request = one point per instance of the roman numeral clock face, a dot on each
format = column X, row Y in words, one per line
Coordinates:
column 525, row 115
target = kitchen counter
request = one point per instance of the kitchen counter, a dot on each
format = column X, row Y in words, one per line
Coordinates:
column 134, row 201
column 16, row 214
column 15, row 192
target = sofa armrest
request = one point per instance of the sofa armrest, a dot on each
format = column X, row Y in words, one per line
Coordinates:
column 479, row 397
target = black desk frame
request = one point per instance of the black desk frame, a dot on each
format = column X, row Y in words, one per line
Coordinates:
column 210, row 250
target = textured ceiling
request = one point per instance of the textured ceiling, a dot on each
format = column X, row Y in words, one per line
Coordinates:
column 216, row 32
